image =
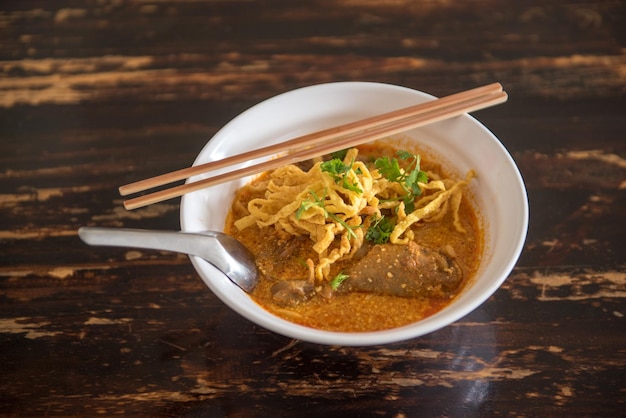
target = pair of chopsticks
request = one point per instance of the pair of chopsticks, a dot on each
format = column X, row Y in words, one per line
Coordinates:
column 317, row 143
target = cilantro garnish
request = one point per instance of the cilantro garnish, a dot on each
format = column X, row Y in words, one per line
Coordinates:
column 337, row 280
column 340, row 155
column 335, row 167
column 408, row 178
column 317, row 201
column 339, row 170
column 306, row 204
column 380, row 231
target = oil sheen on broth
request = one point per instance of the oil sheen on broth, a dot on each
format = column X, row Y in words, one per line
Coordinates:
column 385, row 285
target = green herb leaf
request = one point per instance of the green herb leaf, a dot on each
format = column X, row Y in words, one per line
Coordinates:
column 349, row 228
column 335, row 167
column 339, row 155
column 404, row 155
column 389, row 168
column 338, row 170
column 306, row 204
column 337, row 280
column 408, row 178
column 380, row 231
column 409, row 203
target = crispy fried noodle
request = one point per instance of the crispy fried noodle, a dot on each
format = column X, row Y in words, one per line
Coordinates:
column 336, row 216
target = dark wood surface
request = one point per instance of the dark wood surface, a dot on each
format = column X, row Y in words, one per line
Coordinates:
column 94, row 94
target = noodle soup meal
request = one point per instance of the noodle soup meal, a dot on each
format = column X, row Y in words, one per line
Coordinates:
column 367, row 239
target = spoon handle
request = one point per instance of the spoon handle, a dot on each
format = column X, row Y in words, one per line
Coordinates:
column 138, row 238
column 223, row 251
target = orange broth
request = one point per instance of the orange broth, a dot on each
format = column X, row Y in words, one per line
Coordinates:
column 360, row 312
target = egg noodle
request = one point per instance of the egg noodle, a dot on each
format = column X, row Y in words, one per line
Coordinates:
column 336, row 215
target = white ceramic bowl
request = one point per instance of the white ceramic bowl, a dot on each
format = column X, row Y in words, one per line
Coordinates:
column 462, row 141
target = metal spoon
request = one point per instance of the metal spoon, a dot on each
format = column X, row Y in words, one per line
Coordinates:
column 221, row 250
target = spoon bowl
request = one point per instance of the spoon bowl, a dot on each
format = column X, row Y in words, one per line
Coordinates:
column 224, row 252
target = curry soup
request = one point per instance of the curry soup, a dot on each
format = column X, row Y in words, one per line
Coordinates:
column 449, row 242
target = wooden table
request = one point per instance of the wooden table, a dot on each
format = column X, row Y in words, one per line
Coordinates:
column 95, row 94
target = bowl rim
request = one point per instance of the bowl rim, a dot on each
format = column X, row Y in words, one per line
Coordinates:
column 432, row 323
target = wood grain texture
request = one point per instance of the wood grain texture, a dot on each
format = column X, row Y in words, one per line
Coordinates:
column 98, row 93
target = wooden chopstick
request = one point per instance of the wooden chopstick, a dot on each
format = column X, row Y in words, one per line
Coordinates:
column 343, row 136
column 307, row 140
